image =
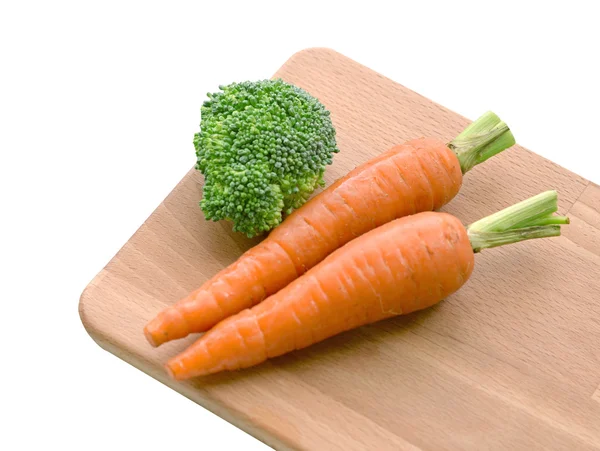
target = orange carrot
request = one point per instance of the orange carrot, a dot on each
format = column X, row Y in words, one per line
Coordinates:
column 420, row 175
column 406, row 265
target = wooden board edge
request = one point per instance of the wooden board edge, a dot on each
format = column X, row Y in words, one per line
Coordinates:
column 86, row 297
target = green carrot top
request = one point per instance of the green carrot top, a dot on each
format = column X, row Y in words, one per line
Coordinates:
column 531, row 218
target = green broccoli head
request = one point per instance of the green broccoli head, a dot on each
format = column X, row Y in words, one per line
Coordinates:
column 262, row 147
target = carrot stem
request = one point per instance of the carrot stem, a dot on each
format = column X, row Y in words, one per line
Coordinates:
column 483, row 139
column 529, row 219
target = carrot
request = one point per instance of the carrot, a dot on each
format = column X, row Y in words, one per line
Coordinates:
column 406, row 265
column 420, row 175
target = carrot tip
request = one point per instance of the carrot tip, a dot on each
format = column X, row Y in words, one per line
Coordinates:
column 170, row 372
column 150, row 337
column 172, row 366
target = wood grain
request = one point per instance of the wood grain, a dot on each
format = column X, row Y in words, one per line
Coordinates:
column 512, row 361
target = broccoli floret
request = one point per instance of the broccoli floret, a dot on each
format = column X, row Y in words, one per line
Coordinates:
column 262, row 147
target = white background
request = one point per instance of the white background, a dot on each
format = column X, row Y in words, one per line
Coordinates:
column 98, row 105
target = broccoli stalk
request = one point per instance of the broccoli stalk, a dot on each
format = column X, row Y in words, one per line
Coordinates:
column 262, row 148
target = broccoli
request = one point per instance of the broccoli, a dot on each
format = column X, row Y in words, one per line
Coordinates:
column 262, row 147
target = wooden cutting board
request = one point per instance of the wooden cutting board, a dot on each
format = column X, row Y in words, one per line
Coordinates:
column 512, row 361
